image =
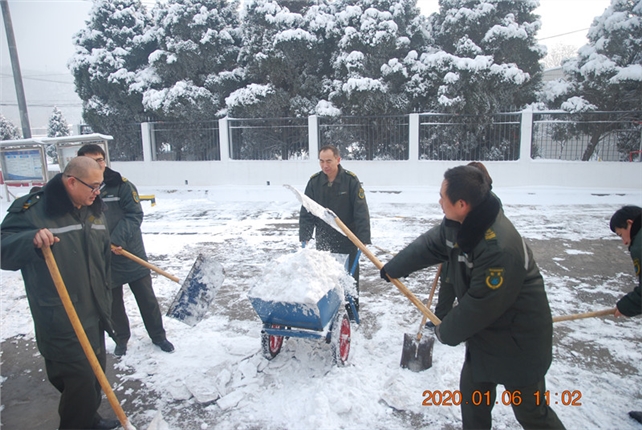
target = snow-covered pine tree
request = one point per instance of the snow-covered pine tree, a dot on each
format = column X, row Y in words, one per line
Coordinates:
column 194, row 67
column 606, row 76
column 8, row 130
column 109, row 52
column 373, row 37
column 487, row 62
column 285, row 56
column 57, row 127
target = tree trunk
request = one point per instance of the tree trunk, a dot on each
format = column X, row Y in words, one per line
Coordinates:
column 590, row 149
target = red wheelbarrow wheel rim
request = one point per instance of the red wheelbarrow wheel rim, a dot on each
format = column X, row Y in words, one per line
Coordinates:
column 342, row 348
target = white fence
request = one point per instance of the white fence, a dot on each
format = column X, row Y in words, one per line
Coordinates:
column 412, row 172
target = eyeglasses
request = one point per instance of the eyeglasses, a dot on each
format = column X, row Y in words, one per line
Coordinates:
column 99, row 160
column 97, row 189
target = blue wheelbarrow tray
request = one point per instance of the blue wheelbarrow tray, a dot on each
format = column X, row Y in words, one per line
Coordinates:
column 299, row 315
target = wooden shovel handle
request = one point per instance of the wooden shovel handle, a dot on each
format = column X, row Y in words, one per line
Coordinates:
column 147, row 264
column 601, row 313
column 429, row 302
column 82, row 336
column 415, row 301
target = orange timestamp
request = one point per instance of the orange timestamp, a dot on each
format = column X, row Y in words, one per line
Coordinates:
column 508, row 398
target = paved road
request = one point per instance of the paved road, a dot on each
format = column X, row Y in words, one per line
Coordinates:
column 30, row 402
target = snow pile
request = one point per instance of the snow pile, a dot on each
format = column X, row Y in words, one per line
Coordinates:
column 304, row 277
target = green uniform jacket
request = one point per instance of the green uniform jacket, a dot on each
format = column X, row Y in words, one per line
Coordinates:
column 502, row 313
column 82, row 255
column 631, row 304
column 124, row 217
column 346, row 198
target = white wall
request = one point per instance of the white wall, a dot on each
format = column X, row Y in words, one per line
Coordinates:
column 574, row 174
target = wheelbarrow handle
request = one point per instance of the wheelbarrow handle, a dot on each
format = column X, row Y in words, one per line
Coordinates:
column 146, row 264
column 82, row 336
column 415, row 301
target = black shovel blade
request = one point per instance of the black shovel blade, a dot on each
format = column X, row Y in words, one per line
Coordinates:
column 417, row 356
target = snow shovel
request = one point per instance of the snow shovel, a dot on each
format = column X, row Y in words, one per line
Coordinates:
column 82, row 337
column 146, row 264
column 416, row 354
column 601, row 313
column 199, row 288
column 329, row 217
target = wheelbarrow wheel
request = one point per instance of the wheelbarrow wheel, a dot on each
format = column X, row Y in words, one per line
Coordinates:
column 340, row 339
column 271, row 344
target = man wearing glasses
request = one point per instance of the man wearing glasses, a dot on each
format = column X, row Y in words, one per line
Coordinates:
column 124, row 217
column 66, row 214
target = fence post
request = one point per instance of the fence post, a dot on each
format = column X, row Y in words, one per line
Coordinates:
column 224, row 139
column 526, row 131
column 146, row 130
column 413, row 137
column 313, row 138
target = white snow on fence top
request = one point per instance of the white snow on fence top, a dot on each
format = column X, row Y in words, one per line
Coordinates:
column 303, row 278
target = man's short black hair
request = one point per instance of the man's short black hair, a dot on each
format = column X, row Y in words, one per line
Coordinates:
column 466, row 183
column 91, row 148
column 619, row 218
column 332, row 148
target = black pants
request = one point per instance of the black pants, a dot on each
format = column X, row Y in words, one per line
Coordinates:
column 80, row 392
column 148, row 306
column 529, row 414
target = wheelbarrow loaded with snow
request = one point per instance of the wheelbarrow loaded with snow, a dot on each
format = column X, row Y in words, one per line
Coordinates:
column 302, row 295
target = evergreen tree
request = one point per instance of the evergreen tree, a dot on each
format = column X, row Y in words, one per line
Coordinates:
column 373, row 37
column 194, row 67
column 285, row 56
column 58, row 126
column 8, row 130
column 486, row 61
column 109, row 52
column 606, row 76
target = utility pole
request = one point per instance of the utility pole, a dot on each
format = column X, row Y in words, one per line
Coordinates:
column 15, row 67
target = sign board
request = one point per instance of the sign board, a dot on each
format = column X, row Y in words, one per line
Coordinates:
column 68, row 150
column 24, row 164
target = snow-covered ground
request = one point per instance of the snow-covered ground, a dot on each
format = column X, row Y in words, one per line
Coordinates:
column 248, row 228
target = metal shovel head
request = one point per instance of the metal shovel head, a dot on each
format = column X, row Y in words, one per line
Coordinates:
column 326, row 215
column 198, row 291
column 417, row 356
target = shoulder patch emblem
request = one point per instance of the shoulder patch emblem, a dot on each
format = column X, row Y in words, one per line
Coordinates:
column 636, row 266
column 490, row 234
column 494, row 277
column 135, row 197
column 362, row 194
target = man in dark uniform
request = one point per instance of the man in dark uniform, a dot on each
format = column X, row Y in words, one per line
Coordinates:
column 626, row 223
column 124, row 217
column 340, row 191
column 67, row 215
column 502, row 312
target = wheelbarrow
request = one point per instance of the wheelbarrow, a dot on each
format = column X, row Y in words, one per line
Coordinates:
column 326, row 320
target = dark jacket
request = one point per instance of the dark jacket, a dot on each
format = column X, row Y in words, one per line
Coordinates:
column 124, row 217
column 502, row 313
column 82, row 256
column 631, row 304
column 346, row 198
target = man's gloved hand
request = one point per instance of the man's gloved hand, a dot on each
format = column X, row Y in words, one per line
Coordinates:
column 384, row 275
column 430, row 324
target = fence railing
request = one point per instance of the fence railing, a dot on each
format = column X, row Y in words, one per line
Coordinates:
column 194, row 141
column 470, row 137
column 268, row 138
column 598, row 136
